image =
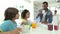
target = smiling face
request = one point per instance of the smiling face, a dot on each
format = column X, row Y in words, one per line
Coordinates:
column 45, row 5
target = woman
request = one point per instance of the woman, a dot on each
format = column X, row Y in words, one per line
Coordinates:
column 10, row 26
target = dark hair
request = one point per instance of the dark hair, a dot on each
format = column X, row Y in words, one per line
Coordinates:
column 23, row 14
column 55, row 11
column 45, row 2
column 10, row 13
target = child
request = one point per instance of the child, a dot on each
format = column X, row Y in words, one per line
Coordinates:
column 25, row 15
column 10, row 26
column 26, row 24
column 56, row 18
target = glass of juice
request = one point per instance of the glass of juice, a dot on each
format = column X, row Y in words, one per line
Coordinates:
column 34, row 25
column 50, row 26
column 55, row 27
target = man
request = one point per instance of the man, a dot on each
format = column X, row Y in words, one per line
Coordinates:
column 45, row 14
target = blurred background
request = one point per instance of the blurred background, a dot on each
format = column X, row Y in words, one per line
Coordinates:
column 52, row 5
column 32, row 5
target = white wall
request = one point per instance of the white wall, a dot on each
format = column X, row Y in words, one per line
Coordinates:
column 16, row 3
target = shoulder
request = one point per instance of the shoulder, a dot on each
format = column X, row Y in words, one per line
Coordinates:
column 4, row 26
column 7, row 22
column 23, row 20
column 49, row 10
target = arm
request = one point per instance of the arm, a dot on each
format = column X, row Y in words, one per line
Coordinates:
column 50, row 19
column 11, row 32
column 38, row 13
column 5, row 32
column 5, row 26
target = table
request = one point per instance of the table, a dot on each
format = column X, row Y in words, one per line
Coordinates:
column 41, row 29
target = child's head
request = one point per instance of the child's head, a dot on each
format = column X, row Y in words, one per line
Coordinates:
column 11, row 13
column 55, row 12
column 25, row 14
